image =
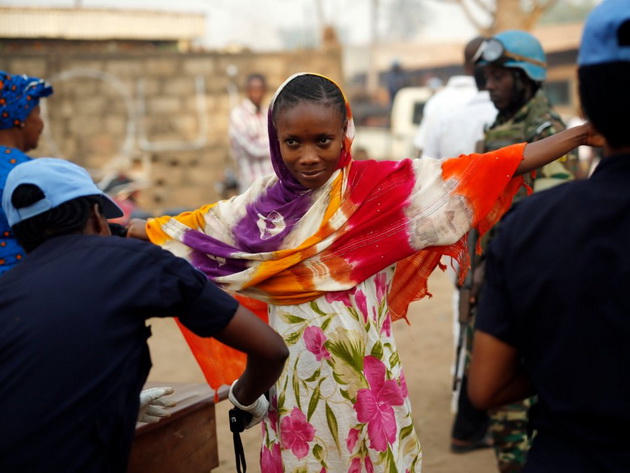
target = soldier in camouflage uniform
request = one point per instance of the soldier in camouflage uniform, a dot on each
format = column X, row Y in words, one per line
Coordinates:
column 515, row 66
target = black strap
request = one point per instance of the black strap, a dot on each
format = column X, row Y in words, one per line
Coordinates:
column 238, row 420
column 239, row 453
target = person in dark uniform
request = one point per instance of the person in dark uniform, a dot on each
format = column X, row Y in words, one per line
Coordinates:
column 561, row 330
column 73, row 333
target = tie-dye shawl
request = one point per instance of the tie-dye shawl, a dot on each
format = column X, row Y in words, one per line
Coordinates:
column 283, row 244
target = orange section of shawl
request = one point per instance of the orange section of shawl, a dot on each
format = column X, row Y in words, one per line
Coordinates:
column 193, row 219
column 488, row 188
column 220, row 364
column 486, row 181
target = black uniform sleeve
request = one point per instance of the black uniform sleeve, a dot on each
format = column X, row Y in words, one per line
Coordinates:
column 186, row 293
column 495, row 314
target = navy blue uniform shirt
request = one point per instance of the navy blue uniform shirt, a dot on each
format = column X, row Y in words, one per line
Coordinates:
column 558, row 289
column 73, row 351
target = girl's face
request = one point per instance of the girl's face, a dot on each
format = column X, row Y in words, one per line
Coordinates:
column 311, row 137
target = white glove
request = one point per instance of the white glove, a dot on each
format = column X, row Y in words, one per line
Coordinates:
column 152, row 406
column 258, row 409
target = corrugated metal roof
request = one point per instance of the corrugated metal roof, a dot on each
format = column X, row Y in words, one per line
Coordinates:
column 92, row 24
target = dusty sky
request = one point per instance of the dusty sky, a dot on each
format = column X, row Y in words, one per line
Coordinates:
column 255, row 23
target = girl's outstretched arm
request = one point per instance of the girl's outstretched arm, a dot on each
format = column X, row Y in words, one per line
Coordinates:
column 137, row 228
column 542, row 152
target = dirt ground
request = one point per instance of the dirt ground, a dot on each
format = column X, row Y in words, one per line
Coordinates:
column 426, row 350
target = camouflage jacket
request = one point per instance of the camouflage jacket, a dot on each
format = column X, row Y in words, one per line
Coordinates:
column 534, row 121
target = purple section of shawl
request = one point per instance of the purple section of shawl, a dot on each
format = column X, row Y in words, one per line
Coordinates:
column 286, row 197
column 203, row 245
column 292, row 205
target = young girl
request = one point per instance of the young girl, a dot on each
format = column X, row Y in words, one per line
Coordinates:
column 338, row 249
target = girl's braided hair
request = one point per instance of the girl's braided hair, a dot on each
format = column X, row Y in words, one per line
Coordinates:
column 309, row 88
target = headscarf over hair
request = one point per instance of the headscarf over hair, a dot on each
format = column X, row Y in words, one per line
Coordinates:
column 281, row 169
column 19, row 95
column 283, row 244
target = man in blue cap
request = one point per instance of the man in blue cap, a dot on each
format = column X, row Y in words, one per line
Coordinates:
column 73, row 332
column 562, row 331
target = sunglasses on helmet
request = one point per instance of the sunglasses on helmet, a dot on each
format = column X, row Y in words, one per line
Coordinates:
column 492, row 50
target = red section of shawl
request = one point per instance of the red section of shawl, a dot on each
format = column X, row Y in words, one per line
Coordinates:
column 377, row 233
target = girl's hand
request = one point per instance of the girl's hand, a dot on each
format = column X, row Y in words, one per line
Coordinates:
column 137, row 229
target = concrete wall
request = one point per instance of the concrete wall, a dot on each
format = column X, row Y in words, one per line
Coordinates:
column 160, row 116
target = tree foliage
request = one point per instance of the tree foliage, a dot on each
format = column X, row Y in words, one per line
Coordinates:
column 492, row 16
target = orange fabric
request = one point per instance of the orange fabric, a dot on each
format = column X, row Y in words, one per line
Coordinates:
column 220, row 364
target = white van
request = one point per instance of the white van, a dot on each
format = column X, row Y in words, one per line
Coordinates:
column 396, row 142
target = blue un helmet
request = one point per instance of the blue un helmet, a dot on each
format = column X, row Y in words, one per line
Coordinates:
column 515, row 49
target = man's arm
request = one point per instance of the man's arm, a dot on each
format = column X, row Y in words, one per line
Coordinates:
column 265, row 349
column 496, row 375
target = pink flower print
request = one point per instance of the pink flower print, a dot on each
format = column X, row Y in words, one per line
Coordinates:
column 355, row 465
column 296, row 433
column 272, row 415
column 369, row 467
column 374, row 405
column 314, row 340
column 403, row 386
column 387, row 325
column 361, row 301
column 351, row 441
column 341, row 296
column 380, row 281
column 271, row 460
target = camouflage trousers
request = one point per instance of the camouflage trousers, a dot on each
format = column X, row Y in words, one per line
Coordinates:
column 508, row 427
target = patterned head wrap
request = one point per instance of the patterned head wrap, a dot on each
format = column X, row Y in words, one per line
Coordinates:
column 19, row 94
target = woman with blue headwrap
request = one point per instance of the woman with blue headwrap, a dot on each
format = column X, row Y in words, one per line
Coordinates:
column 20, row 129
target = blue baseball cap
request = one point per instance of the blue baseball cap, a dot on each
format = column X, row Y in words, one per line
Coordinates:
column 59, row 180
column 606, row 35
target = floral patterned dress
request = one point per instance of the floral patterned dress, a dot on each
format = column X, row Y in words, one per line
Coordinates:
column 341, row 404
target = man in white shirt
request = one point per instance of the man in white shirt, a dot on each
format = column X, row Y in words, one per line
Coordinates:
column 453, row 123
column 249, row 140
column 463, row 131
column 458, row 91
